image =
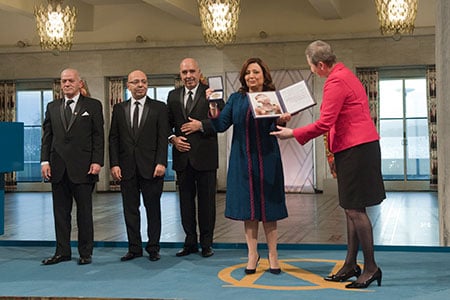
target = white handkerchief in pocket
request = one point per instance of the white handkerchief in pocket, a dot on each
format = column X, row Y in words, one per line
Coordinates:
column 85, row 114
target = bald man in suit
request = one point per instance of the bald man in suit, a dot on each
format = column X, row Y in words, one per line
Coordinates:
column 138, row 160
column 195, row 158
column 72, row 155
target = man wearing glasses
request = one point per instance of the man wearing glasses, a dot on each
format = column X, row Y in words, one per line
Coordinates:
column 138, row 160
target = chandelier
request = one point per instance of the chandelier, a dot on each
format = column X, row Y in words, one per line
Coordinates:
column 55, row 25
column 219, row 19
column 396, row 16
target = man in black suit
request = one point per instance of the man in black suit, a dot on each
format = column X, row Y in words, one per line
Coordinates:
column 138, row 160
column 195, row 158
column 72, row 155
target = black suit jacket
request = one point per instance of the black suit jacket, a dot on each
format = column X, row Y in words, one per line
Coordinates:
column 148, row 149
column 203, row 155
column 74, row 146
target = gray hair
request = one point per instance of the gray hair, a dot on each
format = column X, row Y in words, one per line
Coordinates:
column 319, row 51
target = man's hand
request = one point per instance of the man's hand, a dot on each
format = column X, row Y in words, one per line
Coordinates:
column 283, row 133
column 160, row 170
column 181, row 144
column 192, row 126
column 94, row 169
column 208, row 93
column 116, row 173
column 46, row 171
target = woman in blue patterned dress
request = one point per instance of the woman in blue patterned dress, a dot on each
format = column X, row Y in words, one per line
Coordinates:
column 255, row 182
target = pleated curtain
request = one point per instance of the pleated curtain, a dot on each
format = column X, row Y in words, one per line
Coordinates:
column 8, row 114
column 116, row 94
column 432, row 125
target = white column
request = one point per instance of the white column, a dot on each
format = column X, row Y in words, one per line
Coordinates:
column 443, row 122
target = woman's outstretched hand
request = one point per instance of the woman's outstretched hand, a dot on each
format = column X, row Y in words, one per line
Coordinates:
column 283, row 133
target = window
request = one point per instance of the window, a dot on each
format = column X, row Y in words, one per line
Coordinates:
column 30, row 105
column 404, row 126
column 31, row 101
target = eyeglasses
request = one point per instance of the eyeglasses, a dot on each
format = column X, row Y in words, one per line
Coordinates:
column 137, row 81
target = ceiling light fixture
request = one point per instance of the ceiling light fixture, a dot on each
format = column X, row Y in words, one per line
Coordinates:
column 219, row 19
column 55, row 25
column 396, row 17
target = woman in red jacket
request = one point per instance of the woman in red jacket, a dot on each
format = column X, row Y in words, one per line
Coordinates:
column 352, row 137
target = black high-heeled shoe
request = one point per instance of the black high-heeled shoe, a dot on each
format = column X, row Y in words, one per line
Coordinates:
column 362, row 285
column 252, row 271
column 275, row 271
column 356, row 271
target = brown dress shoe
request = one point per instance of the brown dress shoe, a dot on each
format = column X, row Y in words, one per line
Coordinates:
column 186, row 251
column 84, row 260
column 154, row 256
column 207, row 252
column 130, row 256
column 55, row 259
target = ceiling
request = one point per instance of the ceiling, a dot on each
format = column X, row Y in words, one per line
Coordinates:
column 176, row 22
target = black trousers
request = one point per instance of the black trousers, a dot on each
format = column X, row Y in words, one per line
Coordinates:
column 64, row 192
column 151, row 190
column 194, row 184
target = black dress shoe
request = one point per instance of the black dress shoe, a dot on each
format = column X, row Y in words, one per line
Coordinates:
column 154, row 256
column 84, row 260
column 275, row 271
column 207, row 252
column 363, row 285
column 55, row 259
column 186, row 251
column 344, row 276
column 130, row 256
column 252, row 271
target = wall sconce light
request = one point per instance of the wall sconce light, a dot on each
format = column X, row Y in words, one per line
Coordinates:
column 219, row 19
column 55, row 25
column 22, row 44
column 140, row 39
column 396, row 17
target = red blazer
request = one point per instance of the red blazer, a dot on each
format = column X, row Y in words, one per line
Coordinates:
column 344, row 113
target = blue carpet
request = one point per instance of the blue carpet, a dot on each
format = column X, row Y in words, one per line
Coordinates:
column 408, row 273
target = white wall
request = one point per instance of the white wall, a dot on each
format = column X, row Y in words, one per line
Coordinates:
column 95, row 65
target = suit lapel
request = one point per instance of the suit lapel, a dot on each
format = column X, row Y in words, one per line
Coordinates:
column 145, row 112
column 196, row 97
column 144, row 115
column 127, row 109
column 76, row 112
column 68, row 125
column 61, row 114
column 182, row 102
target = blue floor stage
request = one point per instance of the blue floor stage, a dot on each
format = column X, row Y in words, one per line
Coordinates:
column 408, row 273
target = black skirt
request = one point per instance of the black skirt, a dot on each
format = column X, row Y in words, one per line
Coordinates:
column 360, row 183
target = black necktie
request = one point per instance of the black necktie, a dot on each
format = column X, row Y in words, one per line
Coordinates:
column 136, row 118
column 68, row 111
column 189, row 102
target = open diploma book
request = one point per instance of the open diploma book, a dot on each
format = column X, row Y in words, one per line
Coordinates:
column 291, row 99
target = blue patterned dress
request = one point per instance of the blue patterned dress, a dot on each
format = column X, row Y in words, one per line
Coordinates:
column 255, row 181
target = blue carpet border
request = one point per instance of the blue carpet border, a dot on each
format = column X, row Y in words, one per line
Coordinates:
column 124, row 244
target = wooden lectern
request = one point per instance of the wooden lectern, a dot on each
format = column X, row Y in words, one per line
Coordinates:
column 11, row 158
